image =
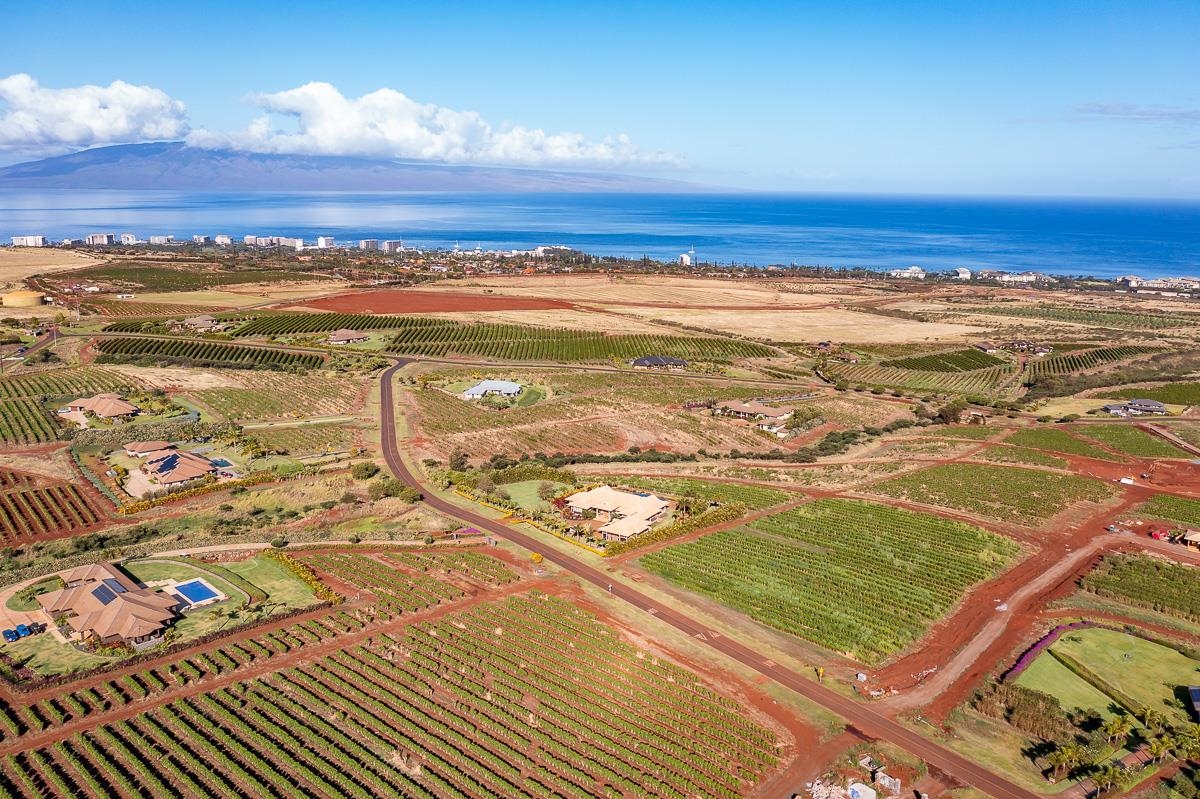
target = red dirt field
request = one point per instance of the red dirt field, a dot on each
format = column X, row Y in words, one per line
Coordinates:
column 401, row 301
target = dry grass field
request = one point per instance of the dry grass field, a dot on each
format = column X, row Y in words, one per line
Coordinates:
column 569, row 318
column 16, row 264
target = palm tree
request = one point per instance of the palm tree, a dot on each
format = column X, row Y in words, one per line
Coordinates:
column 1108, row 776
column 1158, row 748
column 1117, row 728
column 1154, row 720
column 1071, row 756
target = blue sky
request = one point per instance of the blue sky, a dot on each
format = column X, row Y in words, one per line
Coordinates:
column 1071, row 98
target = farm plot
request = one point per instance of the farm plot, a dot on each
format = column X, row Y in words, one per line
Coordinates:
column 124, row 309
column 395, row 591
column 1071, row 362
column 307, row 439
column 289, row 324
column 968, row 360
column 1173, row 509
column 176, row 277
column 202, row 353
column 751, row 496
column 983, row 381
column 1131, row 441
column 72, row 382
column 25, row 421
column 500, row 701
column 1154, row 583
column 1023, row 496
column 1169, row 394
column 29, row 513
column 1022, row 455
column 852, row 576
column 1052, row 439
column 478, row 568
column 522, row 343
column 267, row 397
column 1125, row 320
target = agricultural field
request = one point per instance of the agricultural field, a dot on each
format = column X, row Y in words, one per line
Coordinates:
column 1022, row 455
column 1016, row 495
column 752, row 496
column 28, row 513
column 306, row 439
column 968, row 360
column 291, row 324
column 1154, row 583
column 175, row 276
column 202, row 353
column 142, row 311
column 855, row 577
column 1131, row 441
column 1071, row 362
column 1092, row 317
column 1168, row 394
column 1053, row 439
column 275, row 396
column 1173, row 509
column 527, row 718
column 73, row 382
column 25, row 421
column 993, row 380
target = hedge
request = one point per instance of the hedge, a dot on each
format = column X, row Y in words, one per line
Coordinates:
column 252, row 479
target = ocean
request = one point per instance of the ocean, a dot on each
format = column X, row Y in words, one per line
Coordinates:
column 1104, row 238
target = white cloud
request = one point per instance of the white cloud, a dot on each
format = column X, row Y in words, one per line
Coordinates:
column 388, row 124
column 36, row 118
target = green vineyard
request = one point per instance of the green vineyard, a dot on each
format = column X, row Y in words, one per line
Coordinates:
column 29, row 513
column 968, row 360
column 203, row 353
column 286, row 324
column 993, row 380
column 851, row 576
column 63, row 383
column 1126, row 320
column 520, row 343
column 25, row 421
column 1069, row 362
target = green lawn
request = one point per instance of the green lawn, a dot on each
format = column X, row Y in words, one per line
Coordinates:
column 279, row 583
column 1151, row 674
column 25, row 600
column 525, row 493
column 46, row 656
column 1049, row 676
column 1128, row 439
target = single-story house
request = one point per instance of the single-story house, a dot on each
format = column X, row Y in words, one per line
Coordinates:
column 658, row 362
column 140, row 449
column 171, row 467
column 487, row 388
column 1136, row 407
column 105, row 406
column 102, row 603
column 987, row 346
column 625, row 514
column 753, row 410
column 201, row 323
column 346, row 336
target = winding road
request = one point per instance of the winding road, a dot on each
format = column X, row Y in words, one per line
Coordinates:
column 854, row 713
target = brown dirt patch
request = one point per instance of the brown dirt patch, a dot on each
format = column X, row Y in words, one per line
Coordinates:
column 402, row 301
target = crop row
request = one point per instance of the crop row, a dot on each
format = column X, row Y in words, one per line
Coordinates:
column 298, row 323
column 204, row 353
column 395, row 591
column 25, row 421
column 852, row 576
column 521, row 343
column 284, row 396
column 33, row 512
column 752, row 496
column 1127, row 320
column 1070, row 362
column 479, row 568
column 138, row 313
column 1148, row 582
column 62, row 383
column 968, row 360
column 982, row 381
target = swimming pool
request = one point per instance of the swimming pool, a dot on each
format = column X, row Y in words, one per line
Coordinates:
column 196, row 591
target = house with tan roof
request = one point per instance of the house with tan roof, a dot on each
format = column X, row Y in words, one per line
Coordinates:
column 625, row 514
column 105, row 406
column 140, row 449
column 346, row 336
column 202, row 323
column 754, row 410
column 170, row 467
column 102, row 604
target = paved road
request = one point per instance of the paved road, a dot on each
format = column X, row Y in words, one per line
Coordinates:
column 858, row 715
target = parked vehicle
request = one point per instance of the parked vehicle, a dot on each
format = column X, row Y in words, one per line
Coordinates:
column 1160, row 534
column 10, row 635
column 24, row 631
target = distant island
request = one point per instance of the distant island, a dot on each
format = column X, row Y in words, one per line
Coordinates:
column 175, row 166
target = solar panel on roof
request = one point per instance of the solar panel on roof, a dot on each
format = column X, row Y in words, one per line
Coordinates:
column 114, row 584
column 104, row 594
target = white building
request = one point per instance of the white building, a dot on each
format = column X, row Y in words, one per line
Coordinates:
column 162, row 240
column 393, row 246
column 100, row 239
column 223, row 240
column 295, row 244
column 487, row 388
column 251, row 240
column 962, row 274
column 685, row 259
column 326, row 243
column 29, row 241
column 368, row 244
column 200, row 239
column 129, row 238
column 911, row 273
